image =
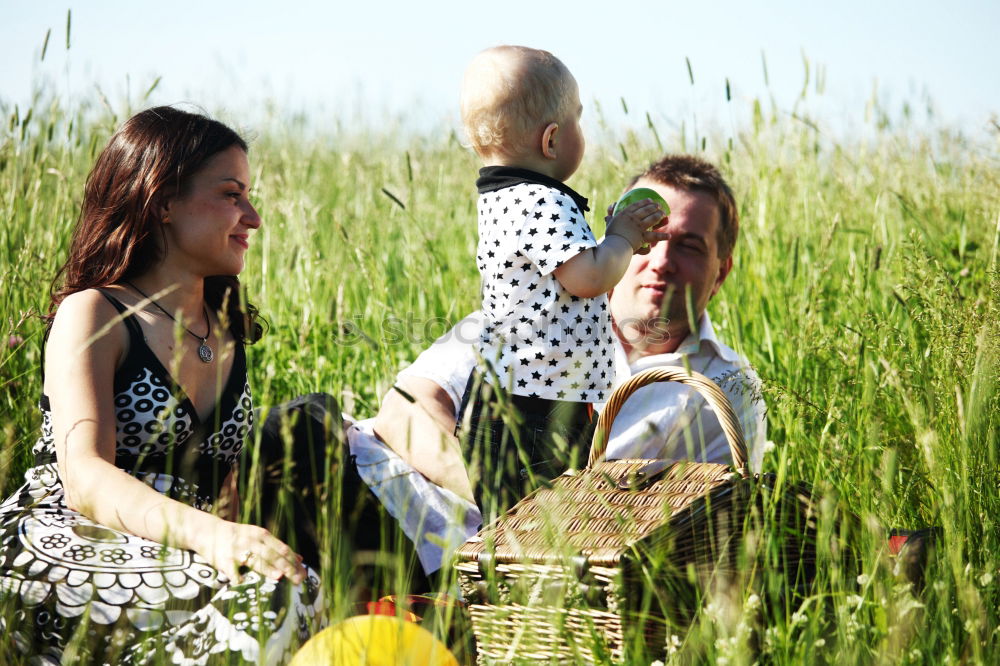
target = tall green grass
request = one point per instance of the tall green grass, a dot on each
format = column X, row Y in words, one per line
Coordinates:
column 865, row 292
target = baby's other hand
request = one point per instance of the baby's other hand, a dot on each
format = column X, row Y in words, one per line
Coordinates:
column 634, row 223
column 651, row 238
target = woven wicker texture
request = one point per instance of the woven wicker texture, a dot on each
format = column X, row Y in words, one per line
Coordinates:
column 552, row 635
column 618, row 539
column 589, row 515
column 595, row 514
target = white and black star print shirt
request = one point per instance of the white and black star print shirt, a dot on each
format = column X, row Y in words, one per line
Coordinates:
column 539, row 339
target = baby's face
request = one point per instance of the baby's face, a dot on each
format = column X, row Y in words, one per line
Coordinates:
column 569, row 141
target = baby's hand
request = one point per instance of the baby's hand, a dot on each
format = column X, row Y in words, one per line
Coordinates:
column 634, row 222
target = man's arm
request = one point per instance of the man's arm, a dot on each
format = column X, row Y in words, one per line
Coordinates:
column 417, row 421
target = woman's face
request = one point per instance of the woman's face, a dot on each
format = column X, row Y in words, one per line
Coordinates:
column 207, row 228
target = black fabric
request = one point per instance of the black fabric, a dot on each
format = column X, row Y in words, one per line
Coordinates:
column 915, row 555
column 130, row 322
column 493, row 178
column 520, row 442
column 304, row 465
column 152, row 597
column 183, row 459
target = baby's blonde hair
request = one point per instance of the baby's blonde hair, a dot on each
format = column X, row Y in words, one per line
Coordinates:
column 509, row 92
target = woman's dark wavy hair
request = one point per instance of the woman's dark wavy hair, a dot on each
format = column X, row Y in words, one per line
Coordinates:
column 118, row 236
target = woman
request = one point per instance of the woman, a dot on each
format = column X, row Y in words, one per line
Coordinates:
column 116, row 547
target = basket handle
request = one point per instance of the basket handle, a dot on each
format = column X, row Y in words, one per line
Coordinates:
column 705, row 386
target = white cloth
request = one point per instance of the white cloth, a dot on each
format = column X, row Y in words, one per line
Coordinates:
column 539, row 339
column 437, row 520
column 664, row 420
column 449, row 361
column 668, row 420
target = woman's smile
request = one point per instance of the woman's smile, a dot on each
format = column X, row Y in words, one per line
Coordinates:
column 241, row 240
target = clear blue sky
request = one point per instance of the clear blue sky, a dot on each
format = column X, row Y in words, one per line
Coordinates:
column 339, row 57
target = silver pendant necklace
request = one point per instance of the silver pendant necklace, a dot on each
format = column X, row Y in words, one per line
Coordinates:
column 204, row 351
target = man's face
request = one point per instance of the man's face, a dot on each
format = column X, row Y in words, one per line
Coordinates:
column 650, row 298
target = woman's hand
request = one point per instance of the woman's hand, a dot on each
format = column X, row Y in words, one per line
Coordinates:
column 230, row 547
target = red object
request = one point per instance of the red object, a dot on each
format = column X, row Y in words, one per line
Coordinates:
column 385, row 607
column 897, row 542
column 427, row 610
column 421, row 603
column 411, row 607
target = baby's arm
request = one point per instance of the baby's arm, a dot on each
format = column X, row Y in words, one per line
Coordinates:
column 597, row 270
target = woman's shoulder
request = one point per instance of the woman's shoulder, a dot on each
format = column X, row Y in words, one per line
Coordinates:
column 88, row 317
column 89, row 304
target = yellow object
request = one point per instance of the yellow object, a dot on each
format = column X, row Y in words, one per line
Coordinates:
column 374, row 640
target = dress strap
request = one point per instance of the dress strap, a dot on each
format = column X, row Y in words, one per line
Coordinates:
column 128, row 319
column 131, row 324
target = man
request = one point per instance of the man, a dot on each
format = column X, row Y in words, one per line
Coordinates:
column 660, row 318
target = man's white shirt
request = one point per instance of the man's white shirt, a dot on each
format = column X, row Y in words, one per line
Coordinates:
column 663, row 420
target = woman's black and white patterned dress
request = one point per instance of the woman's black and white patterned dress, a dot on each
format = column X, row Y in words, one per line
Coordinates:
column 68, row 583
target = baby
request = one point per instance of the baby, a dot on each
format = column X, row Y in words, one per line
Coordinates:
column 547, row 341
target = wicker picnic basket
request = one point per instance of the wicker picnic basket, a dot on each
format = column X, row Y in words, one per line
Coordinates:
column 605, row 561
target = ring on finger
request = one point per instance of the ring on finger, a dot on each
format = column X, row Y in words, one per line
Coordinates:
column 246, row 557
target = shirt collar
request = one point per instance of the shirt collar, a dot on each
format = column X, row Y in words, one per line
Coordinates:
column 493, row 178
column 691, row 346
column 706, row 334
